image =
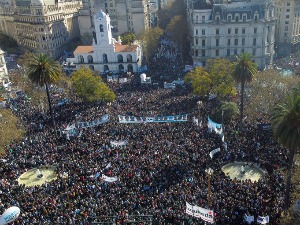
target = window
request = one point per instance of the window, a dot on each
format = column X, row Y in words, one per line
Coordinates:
column 243, row 50
column 203, row 53
column 235, row 52
column 288, row 4
column 244, row 18
column 228, row 42
column 196, row 32
column 253, row 51
column 254, row 41
column 256, row 18
column 236, row 41
column 288, row 10
column 217, row 52
column 228, row 52
column 196, row 53
column 203, row 32
column 203, row 19
column 217, row 42
column 236, row 30
column 236, row 18
column 217, row 31
column 243, row 31
column 286, row 22
column 243, row 41
column 101, row 28
column 287, row 16
column 196, row 41
column 229, row 31
column 203, row 43
column 255, row 30
column 286, row 28
column 229, row 18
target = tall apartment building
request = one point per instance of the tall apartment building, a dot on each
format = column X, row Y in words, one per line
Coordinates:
column 287, row 27
column 223, row 28
column 44, row 26
column 126, row 15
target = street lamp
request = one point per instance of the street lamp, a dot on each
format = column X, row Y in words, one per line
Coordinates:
column 209, row 173
column 200, row 104
column 65, row 177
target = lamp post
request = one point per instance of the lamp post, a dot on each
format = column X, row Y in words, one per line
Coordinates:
column 65, row 177
column 200, row 104
column 209, row 173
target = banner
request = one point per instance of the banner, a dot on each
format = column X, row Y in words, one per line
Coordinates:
column 103, row 119
column 118, row 143
column 263, row 219
column 248, row 219
column 153, row 119
column 264, row 126
column 109, row 179
column 169, row 85
column 196, row 211
column 211, row 154
column 122, row 80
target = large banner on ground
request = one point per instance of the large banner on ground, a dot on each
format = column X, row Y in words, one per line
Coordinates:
column 196, row 211
column 103, row 119
column 153, row 119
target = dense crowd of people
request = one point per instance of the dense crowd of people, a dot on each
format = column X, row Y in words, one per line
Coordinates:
column 161, row 167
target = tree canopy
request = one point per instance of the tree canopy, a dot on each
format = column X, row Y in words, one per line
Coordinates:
column 127, row 38
column 215, row 78
column 90, row 87
column 10, row 129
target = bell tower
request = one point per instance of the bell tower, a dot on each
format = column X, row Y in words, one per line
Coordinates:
column 103, row 33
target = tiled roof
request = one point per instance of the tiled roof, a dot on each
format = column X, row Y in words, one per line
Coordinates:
column 125, row 48
column 84, row 49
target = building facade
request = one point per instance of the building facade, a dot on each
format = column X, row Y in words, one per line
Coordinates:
column 44, row 26
column 3, row 69
column 287, row 27
column 106, row 54
column 126, row 15
column 223, row 28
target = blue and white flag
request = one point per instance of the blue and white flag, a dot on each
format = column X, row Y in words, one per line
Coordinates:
column 263, row 219
column 248, row 219
column 213, row 126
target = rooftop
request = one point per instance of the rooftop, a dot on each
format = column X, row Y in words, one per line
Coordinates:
column 84, row 49
column 125, row 48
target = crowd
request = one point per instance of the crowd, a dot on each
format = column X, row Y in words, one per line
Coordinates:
column 161, row 167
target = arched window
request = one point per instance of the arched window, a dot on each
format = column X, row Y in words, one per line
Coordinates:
column 105, row 58
column 130, row 68
column 80, row 59
column 256, row 16
column 121, row 68
column 229, row 17
column 90, row 59
column 106, row 68
column 217, row 17
column 197, row 18
column 203, row 19
column 101, row 28
column 120, row 58
column 91, row 67
column 129, row 58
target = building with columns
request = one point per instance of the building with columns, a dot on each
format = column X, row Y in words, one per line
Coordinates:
column 107, row 54
column 287, row 34
column 44, row 26
column 223, row 28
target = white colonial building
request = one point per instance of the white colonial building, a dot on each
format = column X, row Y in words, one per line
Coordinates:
column 107, row 54
column 3, row 69
column 226, row 28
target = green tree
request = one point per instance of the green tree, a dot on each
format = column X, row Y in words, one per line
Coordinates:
column 90, row 87
column 23, row 59
column 10, row 129
column 127, row 38
column 244, row 70
column 43, row 70
column 215, row 78
column 150, row 40
column 285, row 118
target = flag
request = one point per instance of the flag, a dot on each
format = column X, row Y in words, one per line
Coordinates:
column 263, row 219
column 249, row 219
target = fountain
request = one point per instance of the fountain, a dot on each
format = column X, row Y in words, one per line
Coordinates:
column 39, row 173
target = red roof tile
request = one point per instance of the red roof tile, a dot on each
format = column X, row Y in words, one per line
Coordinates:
column 84, row 49
column 125, row 48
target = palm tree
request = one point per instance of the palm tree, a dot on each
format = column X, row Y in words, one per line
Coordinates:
column 285, row 119
column 43, row 70
column 244, row 70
